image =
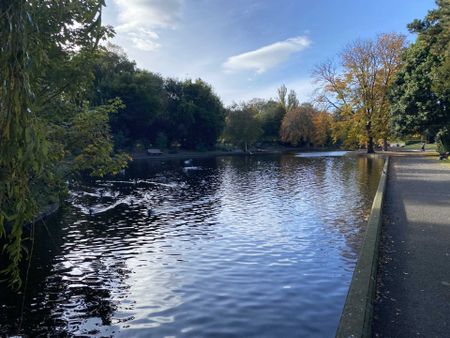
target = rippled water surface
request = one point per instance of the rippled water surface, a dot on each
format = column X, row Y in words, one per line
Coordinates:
column 220, row 247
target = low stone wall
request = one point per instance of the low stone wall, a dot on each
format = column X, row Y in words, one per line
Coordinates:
column 356, row 318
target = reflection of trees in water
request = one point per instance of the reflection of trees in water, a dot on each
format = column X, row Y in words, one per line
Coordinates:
column 346, row 184
column 245, row 176
column 359, row 177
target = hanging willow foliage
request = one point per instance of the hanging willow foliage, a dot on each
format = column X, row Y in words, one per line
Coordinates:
column 45, row 52
column 23, row 146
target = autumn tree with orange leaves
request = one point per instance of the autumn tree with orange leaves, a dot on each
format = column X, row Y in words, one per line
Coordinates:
column 322, row 131
column 297, row 125
column 357, row 88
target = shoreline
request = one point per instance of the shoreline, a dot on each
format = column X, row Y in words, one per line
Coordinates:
column 212, row 153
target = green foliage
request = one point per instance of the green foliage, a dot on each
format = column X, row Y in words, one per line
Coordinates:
column 242, row 127
column 200, row 112
column 187, row 112
column 90, row 141
column 45, row 126
column 140, row 91
column 420, row 95
column 415, row 105
column 269, row 114
column 443, row 140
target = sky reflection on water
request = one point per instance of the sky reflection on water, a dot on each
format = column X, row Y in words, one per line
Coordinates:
column 259, row 246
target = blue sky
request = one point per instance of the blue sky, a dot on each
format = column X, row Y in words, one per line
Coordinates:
column 248, row 48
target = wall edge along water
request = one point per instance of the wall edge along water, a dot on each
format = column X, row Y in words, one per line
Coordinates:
column 356, row 317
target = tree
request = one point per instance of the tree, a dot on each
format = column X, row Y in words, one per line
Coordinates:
column 141, row 92
column 195, row 115
column 242, row 127
column 420, row 94
column 208, row 114
column 45, row 65
column 297, row 126
column 282, row 92
column 269, row 114
column 359, row 93
column 292, row 100
column 322, row 129
column 389, row 49
column 187, row 112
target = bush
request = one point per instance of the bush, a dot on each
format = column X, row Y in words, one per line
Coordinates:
column 443, row 140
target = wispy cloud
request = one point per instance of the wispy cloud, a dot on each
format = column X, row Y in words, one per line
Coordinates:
column 140, row 20
column 264, row 58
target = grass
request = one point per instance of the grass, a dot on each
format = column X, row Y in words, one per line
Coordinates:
column 418, row 146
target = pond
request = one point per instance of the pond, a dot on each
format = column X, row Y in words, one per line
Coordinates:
column 231, row 246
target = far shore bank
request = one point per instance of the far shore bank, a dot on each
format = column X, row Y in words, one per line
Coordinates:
column 182, row 154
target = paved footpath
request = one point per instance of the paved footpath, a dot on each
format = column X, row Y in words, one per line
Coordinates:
column 413, row 290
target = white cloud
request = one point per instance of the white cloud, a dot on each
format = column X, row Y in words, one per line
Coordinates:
column 266, row 57
column 139, row 20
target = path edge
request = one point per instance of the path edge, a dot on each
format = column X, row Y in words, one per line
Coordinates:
column 356, row 317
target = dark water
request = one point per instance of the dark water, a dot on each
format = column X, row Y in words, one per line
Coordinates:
column 235, row 247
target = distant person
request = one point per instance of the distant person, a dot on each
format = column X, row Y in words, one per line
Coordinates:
column 423, row 146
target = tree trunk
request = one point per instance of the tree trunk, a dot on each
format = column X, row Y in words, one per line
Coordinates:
column 385, row 145
column 370, row 149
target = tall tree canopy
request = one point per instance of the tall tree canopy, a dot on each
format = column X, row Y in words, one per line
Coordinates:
column 242, row 127
column 195, row 114
column 187, row 112
column 269, row 113
column 420, row 95
column 358, row 93
column 297, row 127
column 141, row 92
column 322, row 130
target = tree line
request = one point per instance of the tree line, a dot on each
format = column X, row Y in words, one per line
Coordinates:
column 373, row 91
column 169, row 113
column 156, row 111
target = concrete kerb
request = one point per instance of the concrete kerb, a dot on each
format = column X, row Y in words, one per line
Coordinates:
column 356, row 317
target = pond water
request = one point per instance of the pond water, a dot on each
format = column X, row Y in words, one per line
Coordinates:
column 260, row 246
